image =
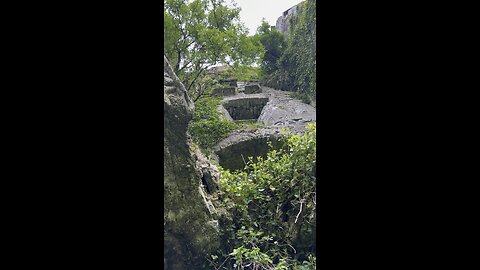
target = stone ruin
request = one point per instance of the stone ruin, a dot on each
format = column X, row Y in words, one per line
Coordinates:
column 253, row 89
column 224, row 91
column 229, row 82
column 245, row 107
column 273, row 108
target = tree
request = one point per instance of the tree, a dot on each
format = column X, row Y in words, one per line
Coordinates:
column 200, row 34
column 274, row 43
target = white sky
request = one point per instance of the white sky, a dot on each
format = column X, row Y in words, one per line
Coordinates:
column 254, row 10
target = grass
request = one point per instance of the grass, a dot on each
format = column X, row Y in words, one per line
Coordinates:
column 248, row 124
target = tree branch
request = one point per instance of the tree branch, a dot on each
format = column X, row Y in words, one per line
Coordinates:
column 301, row 203
column 196, row 77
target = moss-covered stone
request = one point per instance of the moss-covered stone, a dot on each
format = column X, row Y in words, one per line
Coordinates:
column 191, row 232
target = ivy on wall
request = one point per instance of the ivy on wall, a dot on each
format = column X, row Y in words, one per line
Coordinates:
column 296, row 68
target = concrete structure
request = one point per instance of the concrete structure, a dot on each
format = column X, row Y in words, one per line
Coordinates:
column 274, row 109
column 252, row 89
column 224, row 91
column 229, row 82
column 243, row 107
column 283, row 22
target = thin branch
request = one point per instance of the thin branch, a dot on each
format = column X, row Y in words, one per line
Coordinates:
column 243, row 160
column 301, row 203
column 294, row 250
column 184, row 66
column 198, row 75
column 223, row 262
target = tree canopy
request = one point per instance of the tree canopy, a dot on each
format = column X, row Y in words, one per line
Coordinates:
column 200, row 34
column 274, row 43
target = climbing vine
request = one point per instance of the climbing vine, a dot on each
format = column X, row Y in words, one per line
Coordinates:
column 295, row 69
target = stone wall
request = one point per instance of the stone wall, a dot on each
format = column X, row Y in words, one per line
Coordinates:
column 245, row 108
column 283, row 22
column 225, row 91
column 232, row 82
column 253, row 89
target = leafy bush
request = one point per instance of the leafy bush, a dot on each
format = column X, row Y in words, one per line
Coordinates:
column 206, row 127
column 241, row 73
column 274, row 202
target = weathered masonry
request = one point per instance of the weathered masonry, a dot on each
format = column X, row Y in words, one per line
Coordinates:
column 245, row 107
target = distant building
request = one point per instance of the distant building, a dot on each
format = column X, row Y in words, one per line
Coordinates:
column 283, row 22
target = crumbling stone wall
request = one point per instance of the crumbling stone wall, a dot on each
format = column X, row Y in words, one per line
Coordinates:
column 245, row 108
column 225, row 91
column 253, row 89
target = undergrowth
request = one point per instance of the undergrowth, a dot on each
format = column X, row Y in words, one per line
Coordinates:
column 207, row 128
column 273, row 202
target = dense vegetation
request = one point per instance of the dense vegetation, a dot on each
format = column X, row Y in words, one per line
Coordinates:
column 200, row 34
column 274, row 43
column 291, row 64
column 207, row 127
column 274, row 203
column 241, row 73
column 270, row 205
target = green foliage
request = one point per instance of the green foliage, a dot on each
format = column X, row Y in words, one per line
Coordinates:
column 295, row 69
column 241, row 73
column 302, row 96
column 249, row 124
column 206, row 127
column 274, row 202
column 274, row 43
column 300, row 56
column 203, row 33
column 204, row 87
column 247, row 73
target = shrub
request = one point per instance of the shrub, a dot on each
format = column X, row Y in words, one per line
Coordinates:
column 206, row 127
column 274, row 201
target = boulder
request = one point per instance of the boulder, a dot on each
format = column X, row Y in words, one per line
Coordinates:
column 234, row 151
column 191, row 231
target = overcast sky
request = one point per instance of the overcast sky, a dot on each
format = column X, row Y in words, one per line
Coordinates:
column 254, row 10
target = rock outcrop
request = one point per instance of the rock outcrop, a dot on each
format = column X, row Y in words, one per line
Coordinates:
column 191, row 230
column 274, row 109
column 285, row 111
column 233, row 152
